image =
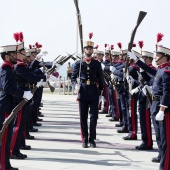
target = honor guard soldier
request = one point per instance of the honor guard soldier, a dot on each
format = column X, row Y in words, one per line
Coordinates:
column 160, row 107
column 24, row 76
column 145, row 103
column 91, row 82
column 8, row 100
column 106, row 69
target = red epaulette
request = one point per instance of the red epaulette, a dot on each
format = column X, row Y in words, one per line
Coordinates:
column 21, row 64
column 6, row 63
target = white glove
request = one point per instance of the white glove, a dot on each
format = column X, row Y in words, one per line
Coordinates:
column 39, row 84
column 38, row 57
column 131, row 55
column 113, row 76
column 149, row 88
column 141, row 70
column 103, row 66
column 134, row 91
column 77, row 87
column 112, row 69
column 43, row 84
column 27, row 95
column 160, row 116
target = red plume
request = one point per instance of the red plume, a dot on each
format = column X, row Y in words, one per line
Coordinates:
column 112, row 47
column 159, row 37
column 119, row 45
column 105, row 45
column 140, row 44
column 90, row 35
column 134, row 45
column 30, row 46
column 16, row 37
column 96, row 47
column 36, row 44
column 21, row 37
column 39, row 46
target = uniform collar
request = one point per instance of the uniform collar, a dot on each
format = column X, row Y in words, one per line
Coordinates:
column 164, row 65
column 21, row 63
column 151, row 66
column 7, row 63
column 87, row 60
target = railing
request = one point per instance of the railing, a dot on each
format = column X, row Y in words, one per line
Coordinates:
column 63, row 87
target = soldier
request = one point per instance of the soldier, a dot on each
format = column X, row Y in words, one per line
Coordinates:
column 144, row 105
column 160, row 105
column 24, row 76
column 8, row 100
column 88, row 96
column 112, row 103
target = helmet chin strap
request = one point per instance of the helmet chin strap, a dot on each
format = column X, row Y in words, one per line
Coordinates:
column 159, row 58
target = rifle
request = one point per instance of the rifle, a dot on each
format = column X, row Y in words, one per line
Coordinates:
column 14, row 113
column 79, row 24
column 52, row 89
column 148, row 95
column 130, row 45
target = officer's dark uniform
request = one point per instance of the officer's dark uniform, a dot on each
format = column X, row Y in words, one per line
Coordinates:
column 7, row 103
column 91, row 81
column 161, row 96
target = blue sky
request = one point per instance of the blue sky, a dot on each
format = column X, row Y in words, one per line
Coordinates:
column 52, row 23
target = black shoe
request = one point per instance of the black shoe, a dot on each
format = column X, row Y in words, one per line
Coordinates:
column 30, row 137
column 122, row 131
column 41, row 104
column 37, row 124
column 113, row 119
column 108, row 115
column 40, row 114
column 18, row 156
column 93, row 144
column 85, row 145
column 38, row 119
column 118, row 125
column 143, row 147
column 12, row 168
column 33, row 129
column 25, row 147
column 130, row 138
column 156, row 160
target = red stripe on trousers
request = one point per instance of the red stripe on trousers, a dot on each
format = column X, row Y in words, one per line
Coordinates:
column 116, row 105
column 3, row 146
column 80, row 124
column 106, row 97
column 167, row 126
column 15, row 133
column 133, row 117
column 148, row 128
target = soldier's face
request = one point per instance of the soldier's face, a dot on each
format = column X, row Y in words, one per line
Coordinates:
column 13, row 58
column 160, row 59
column 88, row 51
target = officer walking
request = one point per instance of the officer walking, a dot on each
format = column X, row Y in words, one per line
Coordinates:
column 91, row 81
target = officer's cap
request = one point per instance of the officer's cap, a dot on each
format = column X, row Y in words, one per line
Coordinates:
column 147, row 54
column 163, row 50
column 8, row 48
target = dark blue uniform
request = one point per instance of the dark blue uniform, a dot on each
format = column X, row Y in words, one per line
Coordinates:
column 161, row 96
column 91, row 81
column 7, row 103
column 111, row 91
column 24, row 76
